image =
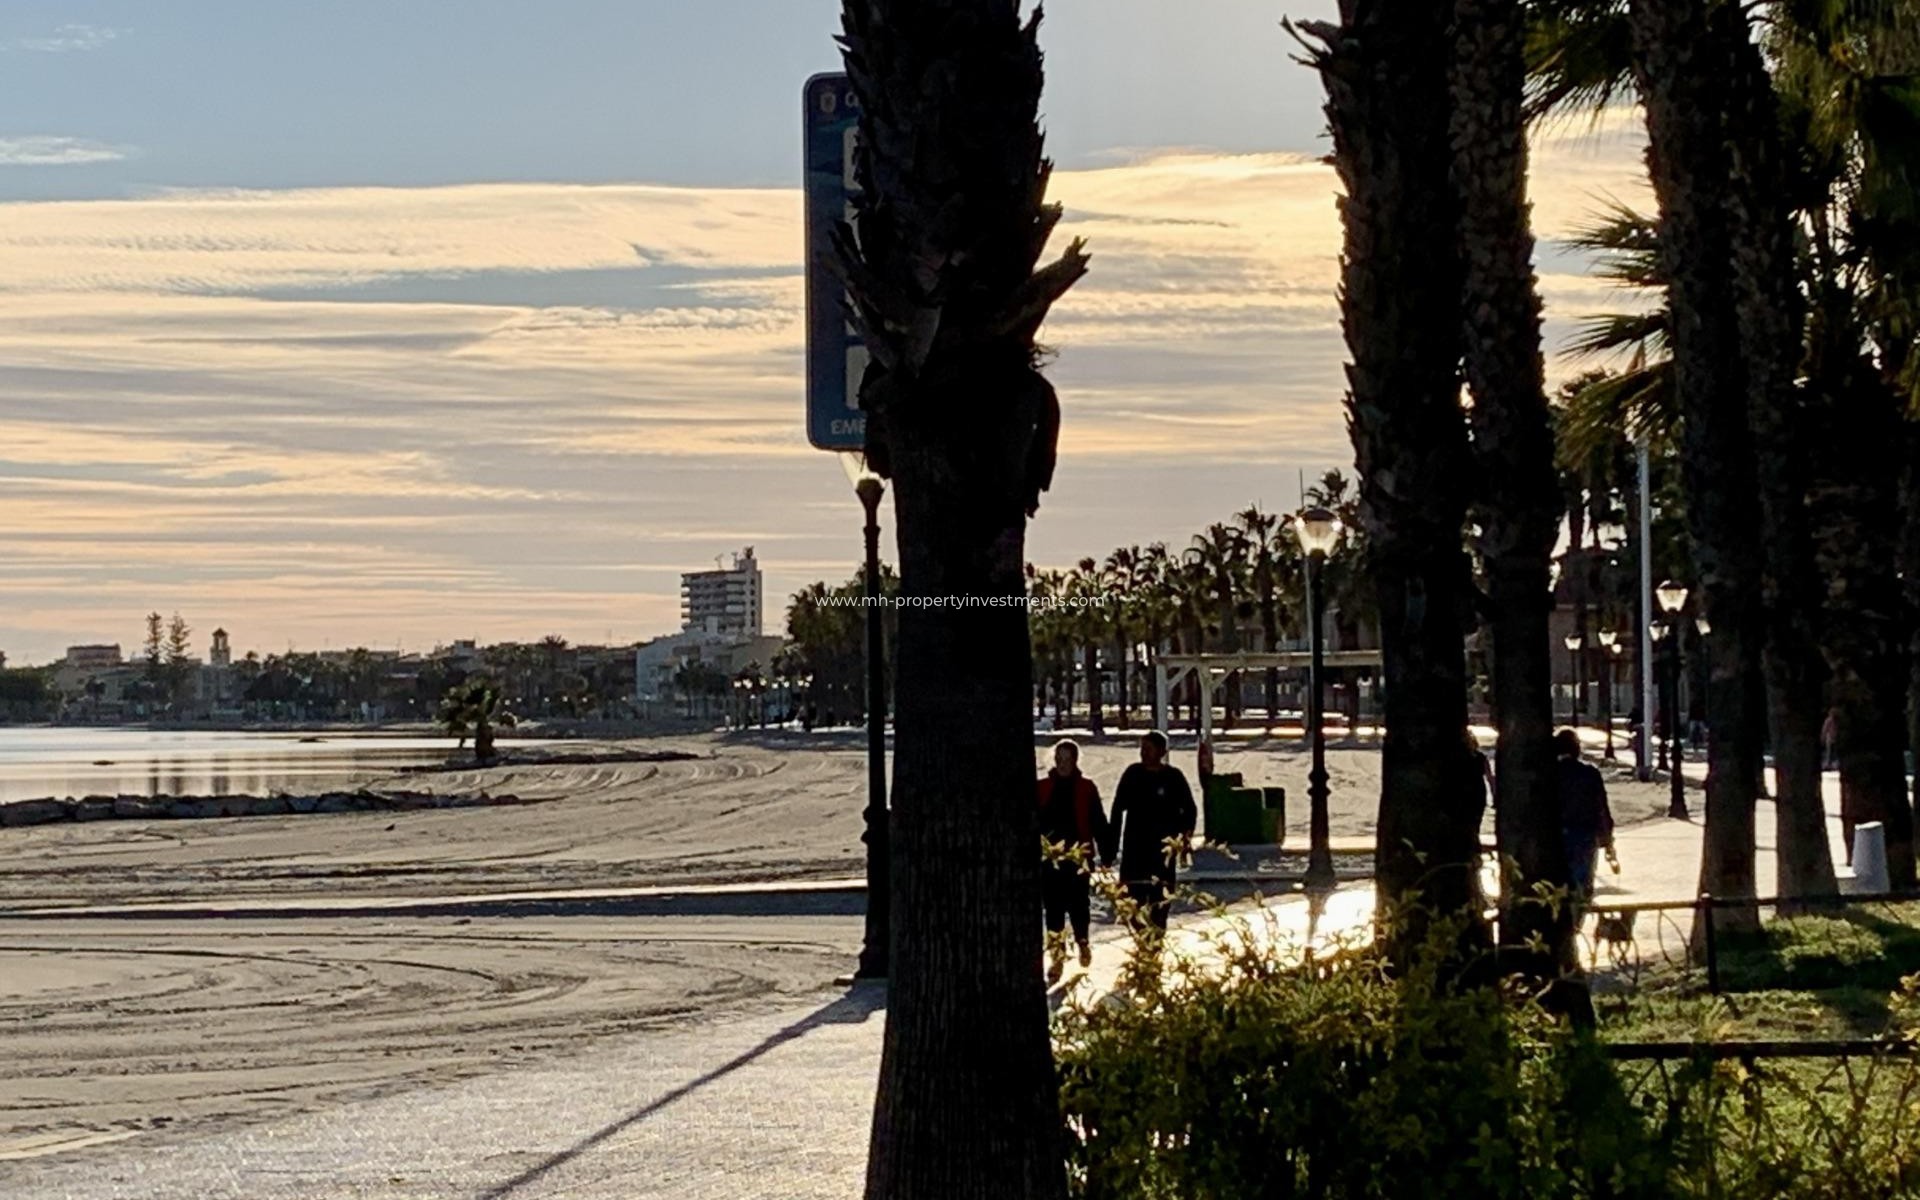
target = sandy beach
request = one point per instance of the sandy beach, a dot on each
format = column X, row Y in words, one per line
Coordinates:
column 129, row 1026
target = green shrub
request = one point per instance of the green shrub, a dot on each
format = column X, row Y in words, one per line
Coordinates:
column 1257, row 1075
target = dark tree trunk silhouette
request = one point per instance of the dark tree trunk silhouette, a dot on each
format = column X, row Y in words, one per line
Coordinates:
column 1909, row 556
column 1518, row 501
column 1770, row 322
column 952, row 222
column 1857, row 505
column 1681, row 72
column 1385, row 68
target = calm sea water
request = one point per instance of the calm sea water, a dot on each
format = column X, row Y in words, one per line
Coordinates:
column 63, row 762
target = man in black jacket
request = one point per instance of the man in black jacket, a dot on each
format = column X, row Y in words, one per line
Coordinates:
column 1586, row 820
column 1151, row 805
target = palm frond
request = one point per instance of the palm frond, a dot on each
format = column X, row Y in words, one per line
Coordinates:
column 1579, row 60
column 1633, row 405
column 1626, row 243
column 1609, row 333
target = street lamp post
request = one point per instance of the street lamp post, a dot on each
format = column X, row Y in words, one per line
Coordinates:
column 1703, row 627
column 1319, row 531
column 1573, row 642
column 1609, row 655
column 1673, row 598
column 873, row 950
column 1658, row 632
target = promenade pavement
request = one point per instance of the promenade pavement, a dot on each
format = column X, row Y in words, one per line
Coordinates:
column 774, row 1104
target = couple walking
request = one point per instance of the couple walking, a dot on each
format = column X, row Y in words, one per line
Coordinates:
column 1153, row 814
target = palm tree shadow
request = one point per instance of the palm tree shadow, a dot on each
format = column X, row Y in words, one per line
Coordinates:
column 853, row 1008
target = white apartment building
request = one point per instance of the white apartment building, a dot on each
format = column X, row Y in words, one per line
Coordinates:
column 726, row 602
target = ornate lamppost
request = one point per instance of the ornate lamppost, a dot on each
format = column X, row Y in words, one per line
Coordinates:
column 1673, row 598
column 1609, row 656
column 1573, row 642
column 1319, row 532
column 1703, row 627
column 873, row 950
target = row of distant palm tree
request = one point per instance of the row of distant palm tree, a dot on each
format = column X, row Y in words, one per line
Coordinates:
column 1236, row 585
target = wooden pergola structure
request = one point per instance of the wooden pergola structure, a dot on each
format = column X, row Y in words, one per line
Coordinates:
column 1169, row 670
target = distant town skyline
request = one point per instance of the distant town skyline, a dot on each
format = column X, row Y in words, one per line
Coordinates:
column 394, row 325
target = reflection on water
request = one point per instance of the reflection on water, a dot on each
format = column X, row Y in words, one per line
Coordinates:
column 64, row 762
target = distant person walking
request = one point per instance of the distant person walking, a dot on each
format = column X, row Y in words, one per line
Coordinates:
column 1072, row 819
column 1151, row 805
column 1586, row 820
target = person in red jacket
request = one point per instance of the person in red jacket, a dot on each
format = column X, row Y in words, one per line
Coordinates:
column 1074, row 822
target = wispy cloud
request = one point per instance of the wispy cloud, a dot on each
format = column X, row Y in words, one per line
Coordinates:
column 506, row 410
column 65, row 39
column 46, row 151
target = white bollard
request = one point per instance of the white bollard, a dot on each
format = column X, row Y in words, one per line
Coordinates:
column 1870, row 860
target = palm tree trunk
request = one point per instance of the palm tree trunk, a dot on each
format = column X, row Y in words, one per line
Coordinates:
column 1385, row 71
column 1680, row 76
column 952, row 221
column 1196, row 693
column 1123, row 667
column 1270, row 631
column 1770, row 323
column 1909, row 558
column 1513, row 444
column 966, row 1104
column 1857, row 506
column 1090, row 667
column 1230, row 642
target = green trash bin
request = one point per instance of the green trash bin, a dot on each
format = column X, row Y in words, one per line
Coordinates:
column 1273, row 816
column 1244, row 816
column 1216, row 805
column 1239, row 813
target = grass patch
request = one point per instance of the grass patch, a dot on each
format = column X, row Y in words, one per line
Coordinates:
column 1804, row 977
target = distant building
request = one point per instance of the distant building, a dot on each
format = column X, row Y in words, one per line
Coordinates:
column 656, row 663
column 462, row 656
column 221, row 655
column 84, row 659
column 726, row 602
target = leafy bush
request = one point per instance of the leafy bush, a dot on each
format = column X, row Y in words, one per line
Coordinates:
column 1261, row 1073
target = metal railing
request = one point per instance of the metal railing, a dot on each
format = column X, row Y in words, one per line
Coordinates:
column 1622, row 943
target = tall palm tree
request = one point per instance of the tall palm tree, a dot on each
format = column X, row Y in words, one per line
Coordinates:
column 1219, row 554
column 1088, row 624
column 1121, row 575
column 1850, row 82
column 1762, row 231
column 1516, row 502
column 1191, row 585
column 1385, row 69
column 1159, row 610
column 1344, row 577
column 1259, row 532
column 947, row 292
column 1680, row 64
column 1051, row 639
column 1643, row 399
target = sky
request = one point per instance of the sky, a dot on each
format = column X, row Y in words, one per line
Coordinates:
column 389, row 324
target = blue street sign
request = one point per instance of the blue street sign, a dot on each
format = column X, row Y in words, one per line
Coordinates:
column 835, row 356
